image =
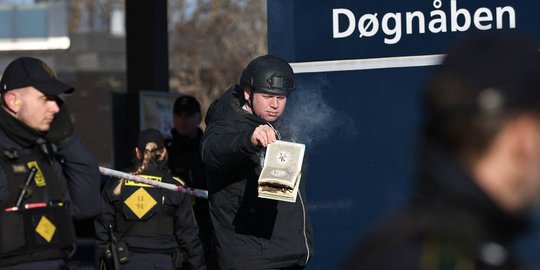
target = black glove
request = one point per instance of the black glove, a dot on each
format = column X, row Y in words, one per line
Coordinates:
column 61, row 127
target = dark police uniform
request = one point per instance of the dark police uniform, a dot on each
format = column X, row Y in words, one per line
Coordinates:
column 156, row 225
column 66, row 179
column 47, row 177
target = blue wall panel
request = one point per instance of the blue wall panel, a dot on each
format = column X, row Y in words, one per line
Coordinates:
column 361, row 126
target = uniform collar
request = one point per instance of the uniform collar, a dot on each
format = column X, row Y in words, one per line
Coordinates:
column 18, row 131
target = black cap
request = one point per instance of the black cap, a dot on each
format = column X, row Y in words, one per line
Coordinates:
column 28, row 71
column 150, row 135
column 502, row 70
column 186, row 104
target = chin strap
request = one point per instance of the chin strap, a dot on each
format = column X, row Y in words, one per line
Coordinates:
column 250, row 102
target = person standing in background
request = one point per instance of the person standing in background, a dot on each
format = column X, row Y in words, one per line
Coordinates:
column 185, row 162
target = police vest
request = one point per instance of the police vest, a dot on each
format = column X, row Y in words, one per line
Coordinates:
column 41, row 224
column 142, row 210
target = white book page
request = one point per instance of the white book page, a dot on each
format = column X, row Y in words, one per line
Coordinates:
column 282, row 163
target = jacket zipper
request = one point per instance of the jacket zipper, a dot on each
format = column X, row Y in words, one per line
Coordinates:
column 304, row 231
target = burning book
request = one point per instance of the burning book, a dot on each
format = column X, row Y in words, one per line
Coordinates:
column 281, row 172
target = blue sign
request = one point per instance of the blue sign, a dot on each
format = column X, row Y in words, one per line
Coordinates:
column 338, row 30
column 361, row 67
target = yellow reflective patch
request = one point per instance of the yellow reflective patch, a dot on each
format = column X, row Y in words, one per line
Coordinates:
column 137, row 184
column 46, row 228
column 18, row 168
column 140, row 202
column 38, row 178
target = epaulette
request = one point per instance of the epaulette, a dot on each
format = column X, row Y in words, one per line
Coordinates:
column 177, row 179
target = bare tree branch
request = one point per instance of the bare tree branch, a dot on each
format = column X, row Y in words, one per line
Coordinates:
column 212, row 43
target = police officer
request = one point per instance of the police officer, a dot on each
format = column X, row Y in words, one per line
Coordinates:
column 185, row 162
column 47, row 176
column 152, row 228
column 183, row 146
column 478, row 173
column 252, row 233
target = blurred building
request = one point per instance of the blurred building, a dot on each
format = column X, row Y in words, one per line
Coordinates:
column 84, row 47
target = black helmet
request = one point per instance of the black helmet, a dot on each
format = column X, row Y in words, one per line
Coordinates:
column 269, row 74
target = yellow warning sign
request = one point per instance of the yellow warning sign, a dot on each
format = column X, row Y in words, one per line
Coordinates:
column 140, row 202
column 38, row 178
column 46, row 228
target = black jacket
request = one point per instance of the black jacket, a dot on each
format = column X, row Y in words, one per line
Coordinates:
column 450, row 224
column 252, row 233
column 185, row 159
column 74, row 165
column 71, row 176
column 185, row 162
column 168, row 225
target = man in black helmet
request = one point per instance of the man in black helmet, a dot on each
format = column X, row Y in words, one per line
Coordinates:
column 252, row 233
column 478, row 176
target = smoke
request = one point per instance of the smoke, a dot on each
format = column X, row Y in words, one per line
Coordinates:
column 310, row 119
